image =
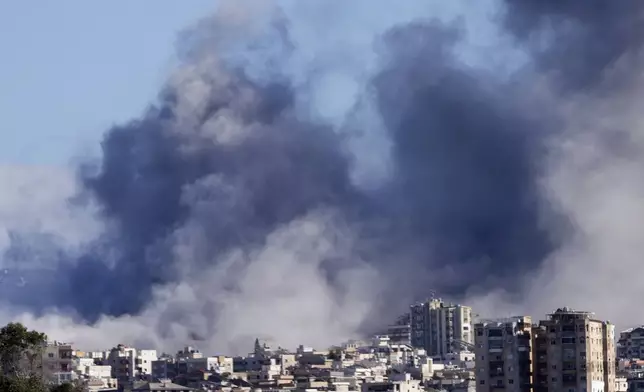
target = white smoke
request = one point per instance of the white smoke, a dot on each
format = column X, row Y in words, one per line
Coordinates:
column 594, row 177
column 37, row 199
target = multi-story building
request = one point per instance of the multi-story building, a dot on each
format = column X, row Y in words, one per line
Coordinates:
column 122, row 360
column 440, row 328
column 144, row 359
column 573, row 351
column 164, row 368
column 631, row 343
column 504, row 355
column 397, row 382
column 400, row 331
column 57, row 362
column 128, row 364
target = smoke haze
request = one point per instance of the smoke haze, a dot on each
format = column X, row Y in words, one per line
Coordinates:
column 310, row 168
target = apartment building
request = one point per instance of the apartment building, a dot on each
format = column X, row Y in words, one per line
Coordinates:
column 504, row 355
column 164, row 368
column 631, row 343
column 440, row 328
column 400, row 331
column 396, row 383
column 122, row 360
column 574, row 352
column 57, row 358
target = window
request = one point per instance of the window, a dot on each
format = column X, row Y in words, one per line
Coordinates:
column 553, row 341
column 482, row 382
column 510, row 381
column 567, row 340
column 497, row 332
column 554, row 379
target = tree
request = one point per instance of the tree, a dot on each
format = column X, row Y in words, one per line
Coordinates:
column 21, row 359
column 20, row 350
column 21, row 354
column 66, row 387
column 22, row 384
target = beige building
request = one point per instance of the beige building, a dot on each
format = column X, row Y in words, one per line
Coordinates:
column 503, row 351
column 574, row 352
column 57, row 357
column 440, row 328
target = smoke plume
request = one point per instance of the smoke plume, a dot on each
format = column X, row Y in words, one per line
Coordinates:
column 309, row 168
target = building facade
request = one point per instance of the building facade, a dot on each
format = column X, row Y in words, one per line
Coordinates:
column 574, row 352
column 57, row 362
column 440, row 328
column 400, row 331
column 504, row 355
column 631, row 343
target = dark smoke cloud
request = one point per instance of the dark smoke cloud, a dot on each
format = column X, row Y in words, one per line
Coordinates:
column 467, row 159
column 577, row 40
column 154, row 177
column 226, row 202
column 465, row 162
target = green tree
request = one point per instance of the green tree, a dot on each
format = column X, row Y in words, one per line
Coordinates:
column 20, row 350
column 67, row 387
column 21, row 359
column 22, row 384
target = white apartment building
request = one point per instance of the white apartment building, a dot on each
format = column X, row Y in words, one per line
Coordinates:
column 621, row 384
column 144, row 359
column 396, row 383
column 100, row 355
column 127, row 363
column 81, row 363
column 270, row 370
column 504, row 355
column 97, row 377
column 441, row 328
column 122, row 361
column 98, row 371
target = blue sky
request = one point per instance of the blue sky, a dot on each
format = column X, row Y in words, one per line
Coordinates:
column 71, row 68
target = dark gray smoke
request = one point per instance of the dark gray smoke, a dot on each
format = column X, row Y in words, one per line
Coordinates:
column 227, row 193
column 467, row 159
column 577, row 40
column 154, row 177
